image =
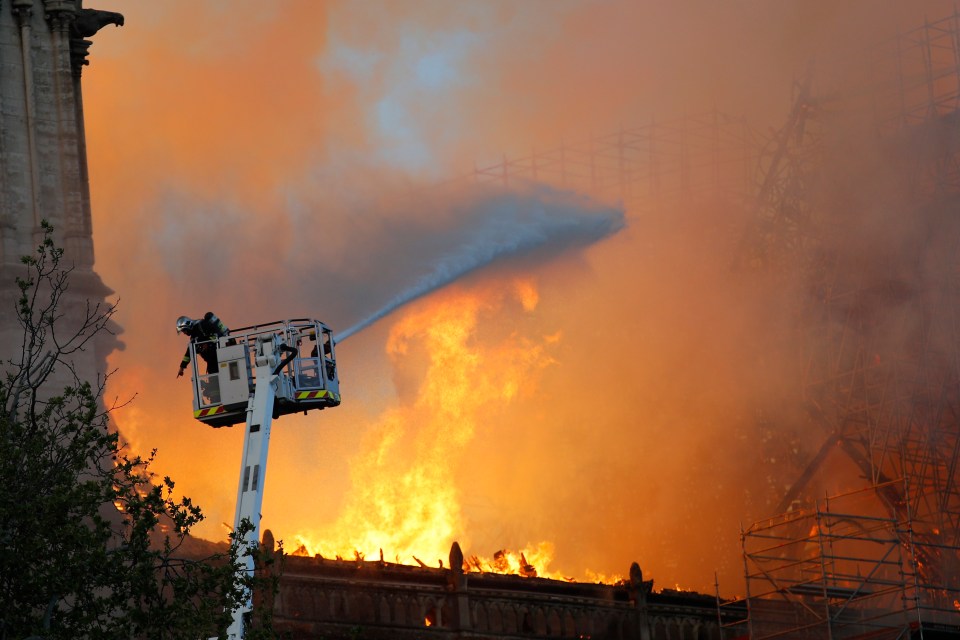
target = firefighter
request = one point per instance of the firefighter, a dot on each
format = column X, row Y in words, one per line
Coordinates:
column 203, row 333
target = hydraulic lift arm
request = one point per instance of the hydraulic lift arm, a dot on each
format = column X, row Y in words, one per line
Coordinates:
column 253, row 469
column 262, row 372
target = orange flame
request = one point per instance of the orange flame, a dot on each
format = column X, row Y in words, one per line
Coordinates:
column 404, row 497
column 530, row 562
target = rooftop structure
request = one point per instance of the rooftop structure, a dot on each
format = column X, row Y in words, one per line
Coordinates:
column 334, row 598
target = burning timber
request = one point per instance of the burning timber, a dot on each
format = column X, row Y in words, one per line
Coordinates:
column 324, row 598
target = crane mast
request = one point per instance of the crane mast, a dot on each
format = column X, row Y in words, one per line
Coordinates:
column 262, row 372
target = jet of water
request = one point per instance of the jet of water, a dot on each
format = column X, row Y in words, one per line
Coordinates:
column 544, row 222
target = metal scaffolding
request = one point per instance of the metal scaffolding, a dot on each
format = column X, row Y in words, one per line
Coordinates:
column 843, row 569
column 710, row 156
column 910, row 85
column 881, row 355
column 780, row 229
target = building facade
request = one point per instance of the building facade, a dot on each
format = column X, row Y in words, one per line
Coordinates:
column 332, row 599
column 43, row 164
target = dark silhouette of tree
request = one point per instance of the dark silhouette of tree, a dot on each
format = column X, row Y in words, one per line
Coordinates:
column 91, row 543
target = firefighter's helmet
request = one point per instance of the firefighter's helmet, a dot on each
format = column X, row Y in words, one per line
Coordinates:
column 185, row 324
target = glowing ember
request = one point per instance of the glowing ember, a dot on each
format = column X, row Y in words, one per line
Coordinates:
column 602, row 578
column 526, row 291
column 531, row 562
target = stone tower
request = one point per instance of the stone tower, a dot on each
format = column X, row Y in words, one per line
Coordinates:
column 43, row 161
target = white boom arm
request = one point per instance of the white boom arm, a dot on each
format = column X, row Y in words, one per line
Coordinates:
column 253, row 469
column 280, row 379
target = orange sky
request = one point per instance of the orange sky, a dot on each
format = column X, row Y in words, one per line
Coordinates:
column 267, row 160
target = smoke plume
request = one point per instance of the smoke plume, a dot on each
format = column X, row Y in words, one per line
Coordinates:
column 274, row 160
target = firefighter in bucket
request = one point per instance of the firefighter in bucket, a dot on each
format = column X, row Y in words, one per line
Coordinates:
column 204, row 333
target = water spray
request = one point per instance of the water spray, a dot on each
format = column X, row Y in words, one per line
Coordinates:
column 511, row 225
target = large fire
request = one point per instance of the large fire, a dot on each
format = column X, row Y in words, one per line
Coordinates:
column 405, row 504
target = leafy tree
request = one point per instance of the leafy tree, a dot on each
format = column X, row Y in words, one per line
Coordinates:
column 91, row 545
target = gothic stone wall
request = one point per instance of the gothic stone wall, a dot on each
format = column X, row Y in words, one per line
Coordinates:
column 332, row 599
column 43, row 170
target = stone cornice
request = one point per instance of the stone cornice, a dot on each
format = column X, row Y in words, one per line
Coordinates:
column 22, row 11
column 60, row 13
